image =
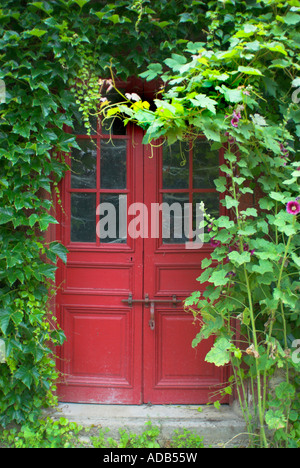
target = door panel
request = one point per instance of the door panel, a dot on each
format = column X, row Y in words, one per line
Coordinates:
column 121, row 348
column 101, row 360
column 174, row 372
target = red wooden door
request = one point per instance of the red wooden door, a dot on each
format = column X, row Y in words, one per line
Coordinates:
column 125, row 342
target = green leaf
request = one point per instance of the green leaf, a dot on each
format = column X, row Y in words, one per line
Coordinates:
column 193, row 299
column 45, row 220
column 285, row 390
column 36, row 32
column 47, row 270
column 60, row 250
column 250, row 212
column 206, row 263
column 4, row 320
column 278, row 196
column 225, row 222
column 219, row 354
column 250, row 71
column 291, row 18
column 230, row 202
column 153, row 71
column 221, row 184
column 24, row 374
column 176, row 62
column 239, row 259
column 218, row 278
column 231, row 95
column 275, row 419
column 6, row 215
column 205, row 102
column 114, row 18
column 264, row 267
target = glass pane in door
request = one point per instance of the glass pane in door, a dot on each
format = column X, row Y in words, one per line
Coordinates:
column 83, row 165
column 83, row 217
column 113, row 164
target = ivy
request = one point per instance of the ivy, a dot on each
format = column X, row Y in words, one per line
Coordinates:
column 49, row 48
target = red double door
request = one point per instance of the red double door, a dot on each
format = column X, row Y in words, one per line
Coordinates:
column 129, row 340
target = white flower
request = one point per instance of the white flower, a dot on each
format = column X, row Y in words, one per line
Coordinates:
column 133, row 97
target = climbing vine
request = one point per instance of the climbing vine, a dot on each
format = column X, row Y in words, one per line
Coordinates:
column 52, row 56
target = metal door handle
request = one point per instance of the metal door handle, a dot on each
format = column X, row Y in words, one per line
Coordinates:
column 151, row 302
column 152, row 317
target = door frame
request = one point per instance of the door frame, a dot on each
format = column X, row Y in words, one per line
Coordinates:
column 146, row 339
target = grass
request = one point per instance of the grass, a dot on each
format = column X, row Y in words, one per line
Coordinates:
column 49, row 433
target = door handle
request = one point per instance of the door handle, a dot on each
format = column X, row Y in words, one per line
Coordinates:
column 151, row 302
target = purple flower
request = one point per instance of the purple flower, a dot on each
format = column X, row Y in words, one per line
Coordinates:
column 214, row 243
column 230, row 273
column 246, row 249
column 231, row 139
column 236, row 118
column 285, row 153
column 293, row 207
column 235, row 121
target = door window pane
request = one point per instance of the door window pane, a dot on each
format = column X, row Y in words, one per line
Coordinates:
column 175, row 218
column 211, row 204
column 112, row 228
column 113, row 164
column 83, row 165
column 206, row 165
column 83, row 217
column 113, row 126
column 176, row 166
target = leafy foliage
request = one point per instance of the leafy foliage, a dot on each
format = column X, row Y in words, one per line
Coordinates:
column 45, row 46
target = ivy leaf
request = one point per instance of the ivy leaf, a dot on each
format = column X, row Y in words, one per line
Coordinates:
column 219, row 354
column 81, row 3
column 60, row 250
column 4, row 320
column 24, row 374
column 45, row 220
column 36, row 32
column 42, row 6
column 6, row 215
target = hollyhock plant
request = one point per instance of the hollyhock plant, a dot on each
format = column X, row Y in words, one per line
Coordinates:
column 293, row 207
